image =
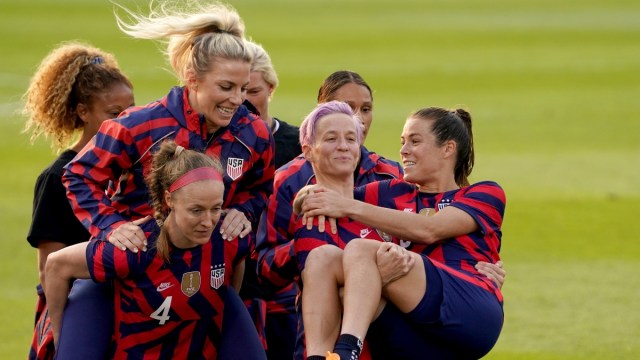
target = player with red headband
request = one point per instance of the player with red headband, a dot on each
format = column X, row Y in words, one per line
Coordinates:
column 170, row 299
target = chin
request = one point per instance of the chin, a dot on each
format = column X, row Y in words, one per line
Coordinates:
column 408, row 178
column 201, row 240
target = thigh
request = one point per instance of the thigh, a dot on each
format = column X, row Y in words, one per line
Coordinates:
column 87, row 322
column 407, row 292
column 240, row 339
column 471, row 315
column 466, row 317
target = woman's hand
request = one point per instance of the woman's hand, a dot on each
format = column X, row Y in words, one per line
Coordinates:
column 494, row 272
column 130, row 236
column 394, row 262
column 307, row 219
column 235, row 224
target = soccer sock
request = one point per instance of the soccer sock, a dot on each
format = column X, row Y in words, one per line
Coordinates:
column 316, row 357
column 348, row 347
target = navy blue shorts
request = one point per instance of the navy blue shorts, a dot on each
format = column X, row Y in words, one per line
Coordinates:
column 454, row 320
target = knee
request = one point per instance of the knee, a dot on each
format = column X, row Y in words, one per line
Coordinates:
column 323, row 259
column 53, row 264
column 360, row 250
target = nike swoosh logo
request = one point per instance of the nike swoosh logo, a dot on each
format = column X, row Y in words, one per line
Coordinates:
column 364, row 232
column 164, row 286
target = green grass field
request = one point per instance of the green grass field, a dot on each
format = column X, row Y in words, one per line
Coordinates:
column 553, row 88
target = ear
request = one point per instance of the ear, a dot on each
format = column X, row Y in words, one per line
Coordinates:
column 167, row 199
column 192, row 80
column 83, row 112
column 306, row 151
column 449, row 149
column 271, row 90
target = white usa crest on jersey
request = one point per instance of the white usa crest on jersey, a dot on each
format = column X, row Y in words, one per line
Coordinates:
column 217, row 276
column 234, row 167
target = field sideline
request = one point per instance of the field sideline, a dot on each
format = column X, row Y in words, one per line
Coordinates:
column 553, row 90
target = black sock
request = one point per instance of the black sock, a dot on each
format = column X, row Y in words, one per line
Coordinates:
column 316, row 357
column 348, row 347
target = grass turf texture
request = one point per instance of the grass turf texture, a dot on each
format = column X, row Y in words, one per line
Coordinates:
column 553, row 89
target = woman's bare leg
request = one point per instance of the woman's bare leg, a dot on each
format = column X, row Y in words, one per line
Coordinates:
column 321, row 307
column 363, row 289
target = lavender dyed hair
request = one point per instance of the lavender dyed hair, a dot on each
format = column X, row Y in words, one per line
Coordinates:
column 308, row 126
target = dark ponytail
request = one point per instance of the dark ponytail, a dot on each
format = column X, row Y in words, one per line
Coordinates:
column 466, row 155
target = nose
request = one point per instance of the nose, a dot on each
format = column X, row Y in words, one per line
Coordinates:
column 208, row 219
column 238, row 97
column 403, row 149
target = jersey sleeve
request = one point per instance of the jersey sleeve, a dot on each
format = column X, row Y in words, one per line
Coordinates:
column 106, row 262
column 89, row 174
column 485, row 203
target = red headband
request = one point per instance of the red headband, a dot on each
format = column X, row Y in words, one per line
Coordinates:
column 191, row 176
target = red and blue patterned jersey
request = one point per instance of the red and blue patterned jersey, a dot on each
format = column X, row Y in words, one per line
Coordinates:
column 483, row 201
column 306, row 240
column 165, row 310
column 274, row 238
column 119, row 156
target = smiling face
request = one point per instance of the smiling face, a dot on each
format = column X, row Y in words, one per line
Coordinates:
column 105, row 105
column 258, row 93
column 359, row 99
column 218, row 93
column 422, row 158
column 335, row 151
column 195, row 211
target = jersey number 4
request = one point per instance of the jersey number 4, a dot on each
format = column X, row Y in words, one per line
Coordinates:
column 162, row 312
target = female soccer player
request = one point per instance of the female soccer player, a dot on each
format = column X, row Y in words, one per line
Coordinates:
column 209, row 55
column 170, row 299
column 75, row 89
column 264, row 82
column 276, row 269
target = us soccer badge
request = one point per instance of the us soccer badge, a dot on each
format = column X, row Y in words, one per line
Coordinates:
column 217, row 276
column 386, row 237
column 190, row 283
column 428, row 211
column 234, row 167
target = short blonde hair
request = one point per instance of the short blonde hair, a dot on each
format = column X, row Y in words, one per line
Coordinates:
column 262, row 64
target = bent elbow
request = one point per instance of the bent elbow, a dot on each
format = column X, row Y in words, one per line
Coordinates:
column 427, row 236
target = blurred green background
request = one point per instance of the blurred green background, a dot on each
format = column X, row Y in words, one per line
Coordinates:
column 554, row 90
